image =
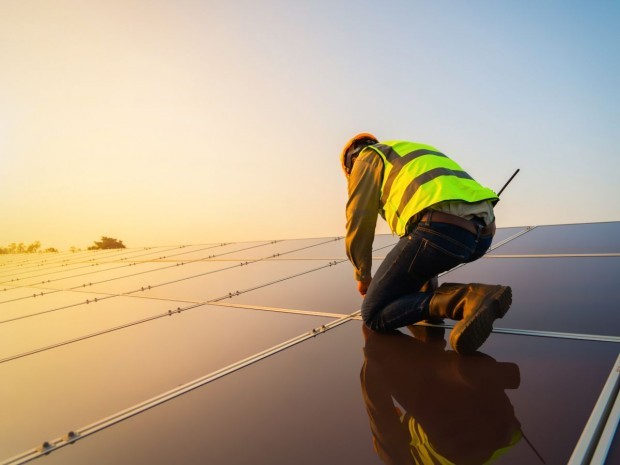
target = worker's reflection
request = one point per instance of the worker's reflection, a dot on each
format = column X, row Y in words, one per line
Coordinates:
column 427, row 405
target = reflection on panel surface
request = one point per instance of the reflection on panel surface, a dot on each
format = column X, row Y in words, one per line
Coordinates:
column 251, row 250
column 308, row 405
column 578, row 295
column 201, row 281
column 331, row 290
column 77, row 273
column 567, row 239
column 82, row 263
column 54, row 327
column 503, row 401
column 329, row 249
column 305, row 248
column 216, row 280
column 111, row 273
column 160, row 275
column 30, row 301
column 48, row 394
column 42, row 277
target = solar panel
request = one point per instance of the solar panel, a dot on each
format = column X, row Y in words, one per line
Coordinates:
column 254, row 353
column 566, row 294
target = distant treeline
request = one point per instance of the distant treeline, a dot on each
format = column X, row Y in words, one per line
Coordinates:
column 35, row 247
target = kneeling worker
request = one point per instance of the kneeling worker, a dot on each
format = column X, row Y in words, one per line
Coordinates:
column 443, row 217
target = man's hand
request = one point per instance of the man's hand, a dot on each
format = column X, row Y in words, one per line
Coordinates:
column 362, row 286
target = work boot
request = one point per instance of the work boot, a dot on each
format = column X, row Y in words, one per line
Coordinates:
column 475, row 306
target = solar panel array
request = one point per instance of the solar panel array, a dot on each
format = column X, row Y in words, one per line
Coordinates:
column 254, row 353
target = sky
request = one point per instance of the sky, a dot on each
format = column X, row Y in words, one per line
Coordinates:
column 192, row 122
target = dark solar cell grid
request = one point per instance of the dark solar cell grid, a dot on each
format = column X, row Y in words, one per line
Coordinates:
column 254, row 353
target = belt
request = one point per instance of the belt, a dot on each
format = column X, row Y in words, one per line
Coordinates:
column 441, row 217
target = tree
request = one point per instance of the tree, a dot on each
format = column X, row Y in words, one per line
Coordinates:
column 32, row 248
column 22, row 248
column 107, row 243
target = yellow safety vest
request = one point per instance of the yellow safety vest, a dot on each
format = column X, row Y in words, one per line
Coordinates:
column 416, row 176
column 423, row 451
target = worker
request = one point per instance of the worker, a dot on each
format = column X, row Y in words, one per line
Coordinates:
column 443, row 217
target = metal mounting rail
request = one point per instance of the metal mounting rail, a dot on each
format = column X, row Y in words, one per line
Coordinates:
column 279, row 310
column 604, row 443
column 537, row 333
column 514, row 236
column 558, row 334
column 598, row 433
column 558, row 255
column 73, row 436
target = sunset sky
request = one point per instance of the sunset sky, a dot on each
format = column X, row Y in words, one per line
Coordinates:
column 186, row 122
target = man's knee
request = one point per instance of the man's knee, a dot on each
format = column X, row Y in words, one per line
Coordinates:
column 374, row 324
column 370, row 316
column 372, row 319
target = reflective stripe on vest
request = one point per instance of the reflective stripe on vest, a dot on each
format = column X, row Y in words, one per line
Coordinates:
column 416, row 176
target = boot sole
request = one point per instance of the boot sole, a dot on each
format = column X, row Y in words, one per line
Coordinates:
column 467, row 336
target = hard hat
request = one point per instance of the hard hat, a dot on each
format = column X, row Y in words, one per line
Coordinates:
column 353, row 148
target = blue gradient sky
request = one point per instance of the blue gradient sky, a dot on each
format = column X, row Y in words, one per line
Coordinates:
column 161, row 122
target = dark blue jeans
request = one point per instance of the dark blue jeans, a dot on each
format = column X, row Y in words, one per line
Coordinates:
column 393, row 298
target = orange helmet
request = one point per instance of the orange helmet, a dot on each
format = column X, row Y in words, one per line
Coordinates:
column 353, row 148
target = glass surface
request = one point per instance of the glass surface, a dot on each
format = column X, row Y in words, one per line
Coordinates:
column 335, row 248
column 11, row 264
column 175, row 252
column 42, row 275
column 46, row 395
column 566, row 239
column 181, row 252
column 309, row 405
column 39, row 331
column 332, row 289
column 290, row 248
column 577, row 295
column 326, row 248
column 102, row 272
column 87, row 267
column 156, row 274
column 214, row 280
column 29, row 301
column 226, row 251
column 25, row 263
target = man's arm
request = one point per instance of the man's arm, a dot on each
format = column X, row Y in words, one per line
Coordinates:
column 362, row 210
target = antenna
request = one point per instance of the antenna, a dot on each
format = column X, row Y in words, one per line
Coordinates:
column 508, row 182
